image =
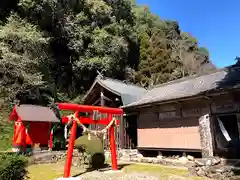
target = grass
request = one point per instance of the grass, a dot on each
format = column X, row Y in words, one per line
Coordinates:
column 52, row 171
column 163, row 172
column 6, row 129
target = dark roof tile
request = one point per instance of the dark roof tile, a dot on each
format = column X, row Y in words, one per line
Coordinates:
column 191, row 86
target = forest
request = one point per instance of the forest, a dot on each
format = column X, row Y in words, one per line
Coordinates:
column 52, row 50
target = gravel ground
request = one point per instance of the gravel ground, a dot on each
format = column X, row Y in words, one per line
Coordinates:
column 96, row 175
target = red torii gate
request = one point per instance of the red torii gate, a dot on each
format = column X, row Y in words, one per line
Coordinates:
column 109, row 112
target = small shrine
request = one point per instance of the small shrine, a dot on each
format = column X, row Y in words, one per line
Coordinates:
column 32, row 127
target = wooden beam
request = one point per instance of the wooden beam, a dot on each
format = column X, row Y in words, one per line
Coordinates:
column 178, row 102
column 130, row 114
column 106, row 98
column 96, row 102
column 207, row 97
column 85, row 108
column 102, row 98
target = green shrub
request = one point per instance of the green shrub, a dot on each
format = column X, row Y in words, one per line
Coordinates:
column 12, row 167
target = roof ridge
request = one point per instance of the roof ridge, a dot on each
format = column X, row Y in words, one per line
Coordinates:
column 120, row 81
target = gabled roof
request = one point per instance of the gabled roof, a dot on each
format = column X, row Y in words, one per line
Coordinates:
column 29, row 112
column 191, row 86
column 128, row 92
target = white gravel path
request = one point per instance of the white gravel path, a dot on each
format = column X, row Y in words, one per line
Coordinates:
column 96, row 175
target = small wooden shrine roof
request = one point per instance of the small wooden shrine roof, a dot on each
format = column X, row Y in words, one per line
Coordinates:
column 35, row 113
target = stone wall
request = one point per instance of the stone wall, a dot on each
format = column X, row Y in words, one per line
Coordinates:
column 45, row 157
column 135, row 157
column 211, row 167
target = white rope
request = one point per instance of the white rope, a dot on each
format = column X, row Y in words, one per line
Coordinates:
column 93, row 132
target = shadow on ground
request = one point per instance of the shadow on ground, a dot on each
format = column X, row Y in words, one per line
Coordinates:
column 106, row 167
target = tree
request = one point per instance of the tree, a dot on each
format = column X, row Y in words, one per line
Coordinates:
column 23, row 54
column 85, row 36
column 53, row 49
column 166, row 53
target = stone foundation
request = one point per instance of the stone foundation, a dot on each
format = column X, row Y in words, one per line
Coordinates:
column 211, row 168
column 135, row 156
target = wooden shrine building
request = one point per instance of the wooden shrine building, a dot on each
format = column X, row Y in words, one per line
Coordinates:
column 34, row 123
column 113, row 93
column 198, row 114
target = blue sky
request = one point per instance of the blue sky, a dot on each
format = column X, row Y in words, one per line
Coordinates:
column 215, row 23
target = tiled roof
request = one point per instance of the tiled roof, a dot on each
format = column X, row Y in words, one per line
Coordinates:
column 36, row 113
column 128, row 92
column 187, row 87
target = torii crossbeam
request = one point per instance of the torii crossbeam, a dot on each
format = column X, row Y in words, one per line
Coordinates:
column 98, row 115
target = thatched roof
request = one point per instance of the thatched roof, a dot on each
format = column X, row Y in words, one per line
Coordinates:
column 226, row 78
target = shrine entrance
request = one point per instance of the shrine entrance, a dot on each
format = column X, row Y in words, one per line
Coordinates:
column 113, row 93
column 110, row 117
column 227, row 135
column 130, row 133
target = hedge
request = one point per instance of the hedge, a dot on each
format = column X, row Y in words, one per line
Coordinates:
column 12, row 166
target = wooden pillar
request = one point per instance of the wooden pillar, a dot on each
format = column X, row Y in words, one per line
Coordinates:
column 122, row 131
column 125, row 133
column 50, row 135
column 112, row 143
column 50, row 139
column 24, row 138
column 238, row 124
column 102, row 103
column 72, row 138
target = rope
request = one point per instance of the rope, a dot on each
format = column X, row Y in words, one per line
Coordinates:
column 94, row 132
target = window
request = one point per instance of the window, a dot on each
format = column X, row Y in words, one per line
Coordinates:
column 167, row 115
column 193, row 112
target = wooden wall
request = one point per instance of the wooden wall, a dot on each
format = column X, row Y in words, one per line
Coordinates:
column 176, row 125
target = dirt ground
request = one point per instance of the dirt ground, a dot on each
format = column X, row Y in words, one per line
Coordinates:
column 126, row 172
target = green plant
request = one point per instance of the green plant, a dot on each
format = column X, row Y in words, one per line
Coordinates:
column 58, row 137
column 6, row 129
column 12, row 167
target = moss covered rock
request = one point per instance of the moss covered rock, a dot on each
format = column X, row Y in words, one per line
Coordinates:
column 93, row 149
